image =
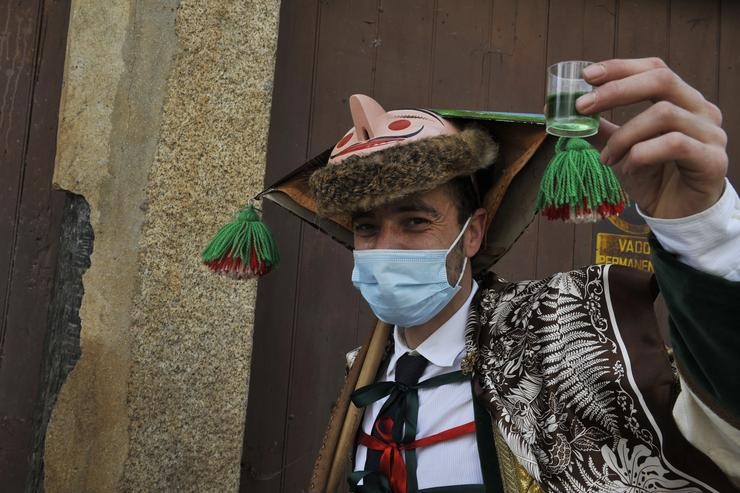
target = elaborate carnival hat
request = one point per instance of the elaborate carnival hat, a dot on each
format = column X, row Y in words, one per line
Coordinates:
column 388, row 155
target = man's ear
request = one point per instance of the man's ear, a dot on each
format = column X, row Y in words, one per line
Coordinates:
column 473, row 237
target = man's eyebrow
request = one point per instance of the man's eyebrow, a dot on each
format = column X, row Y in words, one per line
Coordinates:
column 416, row 206
column 362, row 215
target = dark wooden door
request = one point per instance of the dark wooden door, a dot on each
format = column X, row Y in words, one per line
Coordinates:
column 32, row 48
column 480, row 54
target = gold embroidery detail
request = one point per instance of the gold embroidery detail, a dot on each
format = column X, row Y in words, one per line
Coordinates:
column 468, row 362
column 514, row 476
column 506, row 463
column 526, row 483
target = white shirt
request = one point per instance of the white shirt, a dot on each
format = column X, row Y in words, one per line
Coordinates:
column 708, row 241
column 451, row 462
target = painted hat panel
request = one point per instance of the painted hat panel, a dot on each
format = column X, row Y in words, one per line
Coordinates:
column 375, row 129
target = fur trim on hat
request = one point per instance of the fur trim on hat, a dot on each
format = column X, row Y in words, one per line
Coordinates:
column 361, row 183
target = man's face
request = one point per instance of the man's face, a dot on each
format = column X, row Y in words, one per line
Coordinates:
column 425, row 221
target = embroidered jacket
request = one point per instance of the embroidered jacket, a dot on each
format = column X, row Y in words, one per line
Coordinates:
column 579, row 384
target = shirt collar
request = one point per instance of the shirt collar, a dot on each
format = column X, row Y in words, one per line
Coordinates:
column 443, row 346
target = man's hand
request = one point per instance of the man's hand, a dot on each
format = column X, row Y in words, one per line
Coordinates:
column 671, row 158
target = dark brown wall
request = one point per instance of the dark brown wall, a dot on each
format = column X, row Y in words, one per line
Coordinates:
column 32, row 47
column 479, row 54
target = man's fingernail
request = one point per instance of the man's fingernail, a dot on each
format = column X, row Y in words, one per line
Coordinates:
column 585, row 101
column 605, row 155
column 594, row 71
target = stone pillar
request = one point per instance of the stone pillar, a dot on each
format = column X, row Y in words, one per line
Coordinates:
column 163, row 130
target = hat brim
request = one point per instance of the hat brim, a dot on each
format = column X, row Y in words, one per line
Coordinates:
column 510, row 194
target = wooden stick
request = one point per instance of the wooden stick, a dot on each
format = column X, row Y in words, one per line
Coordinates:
column 370, row 366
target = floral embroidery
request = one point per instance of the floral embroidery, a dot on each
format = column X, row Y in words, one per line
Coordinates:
column 550, row 366
column 638, row 470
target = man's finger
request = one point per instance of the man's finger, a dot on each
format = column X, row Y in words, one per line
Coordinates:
column 704, row 162
column 654, row 85
column 661, row 118
column 598, row 73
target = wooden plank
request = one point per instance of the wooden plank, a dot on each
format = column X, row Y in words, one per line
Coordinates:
column 265, row 426
column 694, row 44
column 32, row 90
column 517, row 83
column 405, row 42
column 324, row 331
column 287, row 144
column 326, row 301
column 518, row 51
column 728, row 97
column 20, row 23
column 461, row 54
column 62, row 345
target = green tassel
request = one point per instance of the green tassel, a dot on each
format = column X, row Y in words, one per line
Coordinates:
column 243, row 248
column 577, row 187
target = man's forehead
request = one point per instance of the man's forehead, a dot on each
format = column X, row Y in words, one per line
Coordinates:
column 432, row 202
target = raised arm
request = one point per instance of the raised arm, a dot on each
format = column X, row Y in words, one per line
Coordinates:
column 671, row 159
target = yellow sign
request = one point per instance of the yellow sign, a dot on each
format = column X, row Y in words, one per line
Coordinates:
column 627, row 250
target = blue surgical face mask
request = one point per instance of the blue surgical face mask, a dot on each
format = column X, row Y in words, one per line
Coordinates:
column 406, row 287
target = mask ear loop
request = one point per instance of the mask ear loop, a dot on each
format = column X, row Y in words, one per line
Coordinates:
column 462, row 272
column 465, row 262
column 462, row 231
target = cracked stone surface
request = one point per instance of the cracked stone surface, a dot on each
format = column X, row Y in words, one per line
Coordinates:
column 163, row 130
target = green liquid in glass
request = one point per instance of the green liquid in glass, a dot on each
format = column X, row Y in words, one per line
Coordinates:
column 563, row 119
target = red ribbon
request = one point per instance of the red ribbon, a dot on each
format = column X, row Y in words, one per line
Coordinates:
column 391, row 459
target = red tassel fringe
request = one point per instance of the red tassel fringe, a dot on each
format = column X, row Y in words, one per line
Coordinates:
column 584, row 213
column 236, row 268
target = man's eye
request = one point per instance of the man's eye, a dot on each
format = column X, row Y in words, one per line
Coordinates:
column 417, row 222
column 363, row 229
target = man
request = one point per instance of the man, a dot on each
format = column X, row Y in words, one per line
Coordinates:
column 575, row 382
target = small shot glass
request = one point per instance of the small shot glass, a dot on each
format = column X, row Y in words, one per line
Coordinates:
column 565, row 84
